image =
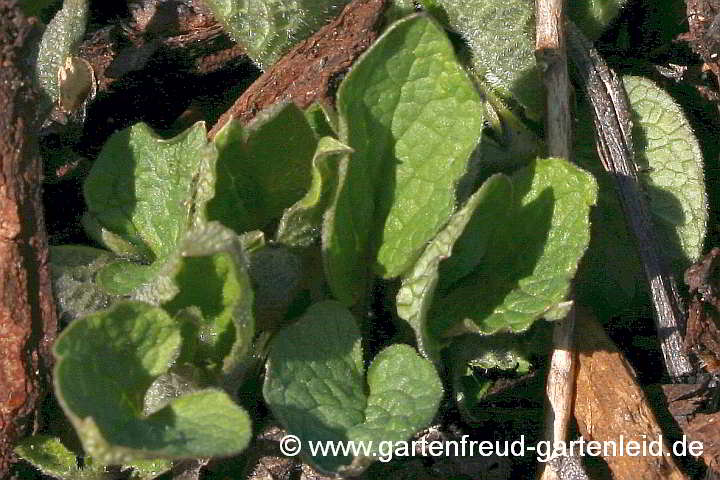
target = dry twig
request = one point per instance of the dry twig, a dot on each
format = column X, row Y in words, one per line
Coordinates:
column 611, row 116
column 551, row 56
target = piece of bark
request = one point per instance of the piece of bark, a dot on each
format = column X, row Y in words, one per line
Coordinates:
column 685, row 403
column 308, row 73
column 704, row 35
column 610, row 403
column 27, row 317
column 179, row 32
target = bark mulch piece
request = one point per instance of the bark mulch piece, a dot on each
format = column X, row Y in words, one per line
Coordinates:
column 27, row 318
column 610, row 403
column 311, row 71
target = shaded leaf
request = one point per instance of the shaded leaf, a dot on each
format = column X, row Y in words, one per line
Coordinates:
column 671, row 171
column 257, row 175
column 143, row 194
column 531, row 255
column 417, row 291
column 74, row 270
column 300, row 224
column 105, row 364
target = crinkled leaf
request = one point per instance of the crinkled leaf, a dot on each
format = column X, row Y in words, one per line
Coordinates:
column 300, row 224
column 257, row 174
column 501, row 38
column 74, row 270
column 268, row 29
column 671, row 165
column 143, row 194
column 59, row 41
column 404, row 395
column 412, row 117
column 211, row 275
column 531, row 256
column 105, row 364
column 314, row 381
column 314, row 385
column 472, row 224
column 52, row 458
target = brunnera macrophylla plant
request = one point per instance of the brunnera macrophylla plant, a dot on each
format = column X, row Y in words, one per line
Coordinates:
column 262, row 246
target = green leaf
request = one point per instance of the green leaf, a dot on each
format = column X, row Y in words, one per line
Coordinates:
column 594, row 16
column 531, row 256
column 405, row 393
column 300, row 224
column 211, row 275
column 501, row 37
column 148, row 469
column 671, row 171
column 74, row 270
column 143, row 188
column 59, row 41
column 509, row 355
column 52, row 458
column 143, row 194
column 268, row 29
column 412, row 116
column 257, row 175
column 323, row 120
column 105, row 364
column 315, row 387
column 469, row 224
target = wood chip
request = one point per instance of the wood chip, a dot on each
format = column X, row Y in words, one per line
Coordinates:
column 610, row 404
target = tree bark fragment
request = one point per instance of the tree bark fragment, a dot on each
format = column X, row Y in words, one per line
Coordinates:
column 27, row 317
column 310, row 71
column 610, row 403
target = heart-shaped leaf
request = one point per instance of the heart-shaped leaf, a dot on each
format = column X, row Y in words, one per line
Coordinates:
column 315, row 386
